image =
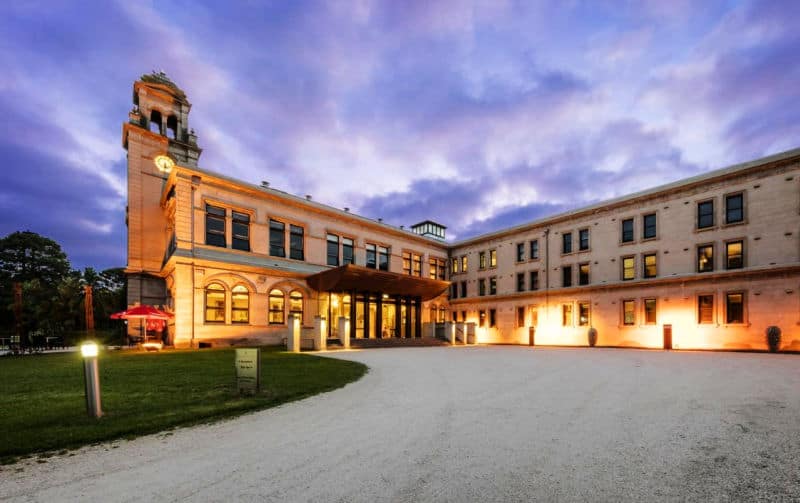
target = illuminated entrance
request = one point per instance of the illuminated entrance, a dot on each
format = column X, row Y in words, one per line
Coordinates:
column 379, row 304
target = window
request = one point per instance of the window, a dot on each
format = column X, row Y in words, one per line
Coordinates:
column 583, row 239
column 383, row 259
column 566, row 242
column 493, row 285
column 276, row 307
column 649, row 226
column 628, row 312
column 454, row 265
column 705, row 309
column 705, row 258
column 432, row 268
column 584, row 310
column 215, row 303
column 240, row 304
column 520, row 316
column 734, row 307
column 566, row 275
column 463, row 288
column 520, row 281
column 482, row 260
column 372, row 258
column 520, row 252
column 481, row 287
column 277, row 238
column 241, row 231
column 649, row 311
column 583, row 274
column 296, row 243
column 453, row 290
column 481, row 318
column 442, row 264
column 650, row 265
column 464, row 263
column 492, row 318
column 628, row 268
column 416, row 265
column 347, row 252
column 734, row 208
column 333, row 250
column 534, row 280
column 215, row 226
column 566, row 315
column 407, row 263
column 705, row 214
column 534, row 249
column 492, row 258
column 463, row 316
column 734, row 255
column 296, row 305
column 627, row 230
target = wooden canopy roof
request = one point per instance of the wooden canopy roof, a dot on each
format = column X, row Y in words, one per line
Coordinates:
column 348, row 278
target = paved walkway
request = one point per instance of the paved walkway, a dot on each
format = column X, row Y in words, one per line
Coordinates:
column 475, row 424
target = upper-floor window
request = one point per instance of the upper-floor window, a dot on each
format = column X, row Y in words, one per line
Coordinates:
column 534, row 245
column 432, row 268
column 333, row 249
column 482, row 260
column 705, row 309
column 407, row 263
column 649, row 226
column 566, row 275
column 520, row 252
column 534, row 280
column 583, row 239
column 583, row 274
column 566, row 242
column 650, row 264
column 705, row 258
column 463, row 288
column 241, row 231
column 628, row 268
column 734, row 208
column 277, row 238
column 628, row 312
column 383, row 259
column 416, row 265
column 493, row 285
column 520, row 281
column 441, row 266
column 454, row 265
column 215, row 226
column 372, row 256
column 348, row 256
column 627, row 230
column 734, row 254
column 481, row 287
column 492, row 258
column 464, row 263
column 296, row 242
column 705, row 214
column 453, row 290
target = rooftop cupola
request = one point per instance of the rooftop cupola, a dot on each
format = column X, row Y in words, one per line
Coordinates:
column 429, row 229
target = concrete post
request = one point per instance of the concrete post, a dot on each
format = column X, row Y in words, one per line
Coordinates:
column 460, row 332
column 320, row 333
column 470, row 338
column 344, row 332
column 450, row 332
column 293, row 334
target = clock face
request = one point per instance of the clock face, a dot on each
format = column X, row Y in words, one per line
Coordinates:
column 164, row 163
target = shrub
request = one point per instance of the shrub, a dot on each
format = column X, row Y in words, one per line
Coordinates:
column 773, row 338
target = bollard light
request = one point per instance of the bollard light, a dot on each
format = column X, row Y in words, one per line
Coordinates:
column 91, row 379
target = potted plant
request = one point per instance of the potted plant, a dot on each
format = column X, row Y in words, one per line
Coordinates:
column 773, row 338
column 592, row 334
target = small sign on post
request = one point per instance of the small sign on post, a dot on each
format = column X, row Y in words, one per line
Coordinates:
column 248, row 370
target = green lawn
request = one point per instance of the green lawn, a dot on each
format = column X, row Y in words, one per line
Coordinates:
column 42, row 405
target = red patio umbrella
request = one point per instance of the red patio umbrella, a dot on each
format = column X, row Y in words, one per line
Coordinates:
column 143, row 312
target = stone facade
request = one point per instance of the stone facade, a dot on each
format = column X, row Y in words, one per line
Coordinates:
column 637, row 269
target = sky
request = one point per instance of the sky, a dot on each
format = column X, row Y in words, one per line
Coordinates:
column 478, row 115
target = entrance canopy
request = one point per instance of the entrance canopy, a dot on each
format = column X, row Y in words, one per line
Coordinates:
column 348, row 278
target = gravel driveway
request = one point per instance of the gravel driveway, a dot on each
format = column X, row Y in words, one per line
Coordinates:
column 475, row 424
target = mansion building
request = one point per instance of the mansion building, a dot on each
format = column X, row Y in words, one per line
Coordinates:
column 707, row 262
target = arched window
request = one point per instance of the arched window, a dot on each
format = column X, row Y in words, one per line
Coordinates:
column 296, row 305
column 276, row 307
column 172, row 127
column 215, row 303
column 240, row 304
column 155, row 122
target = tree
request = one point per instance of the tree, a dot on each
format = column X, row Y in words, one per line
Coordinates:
column 25, row 256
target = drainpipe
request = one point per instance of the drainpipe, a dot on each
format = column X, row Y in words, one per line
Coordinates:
column 191, row 341
column 547, row 272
